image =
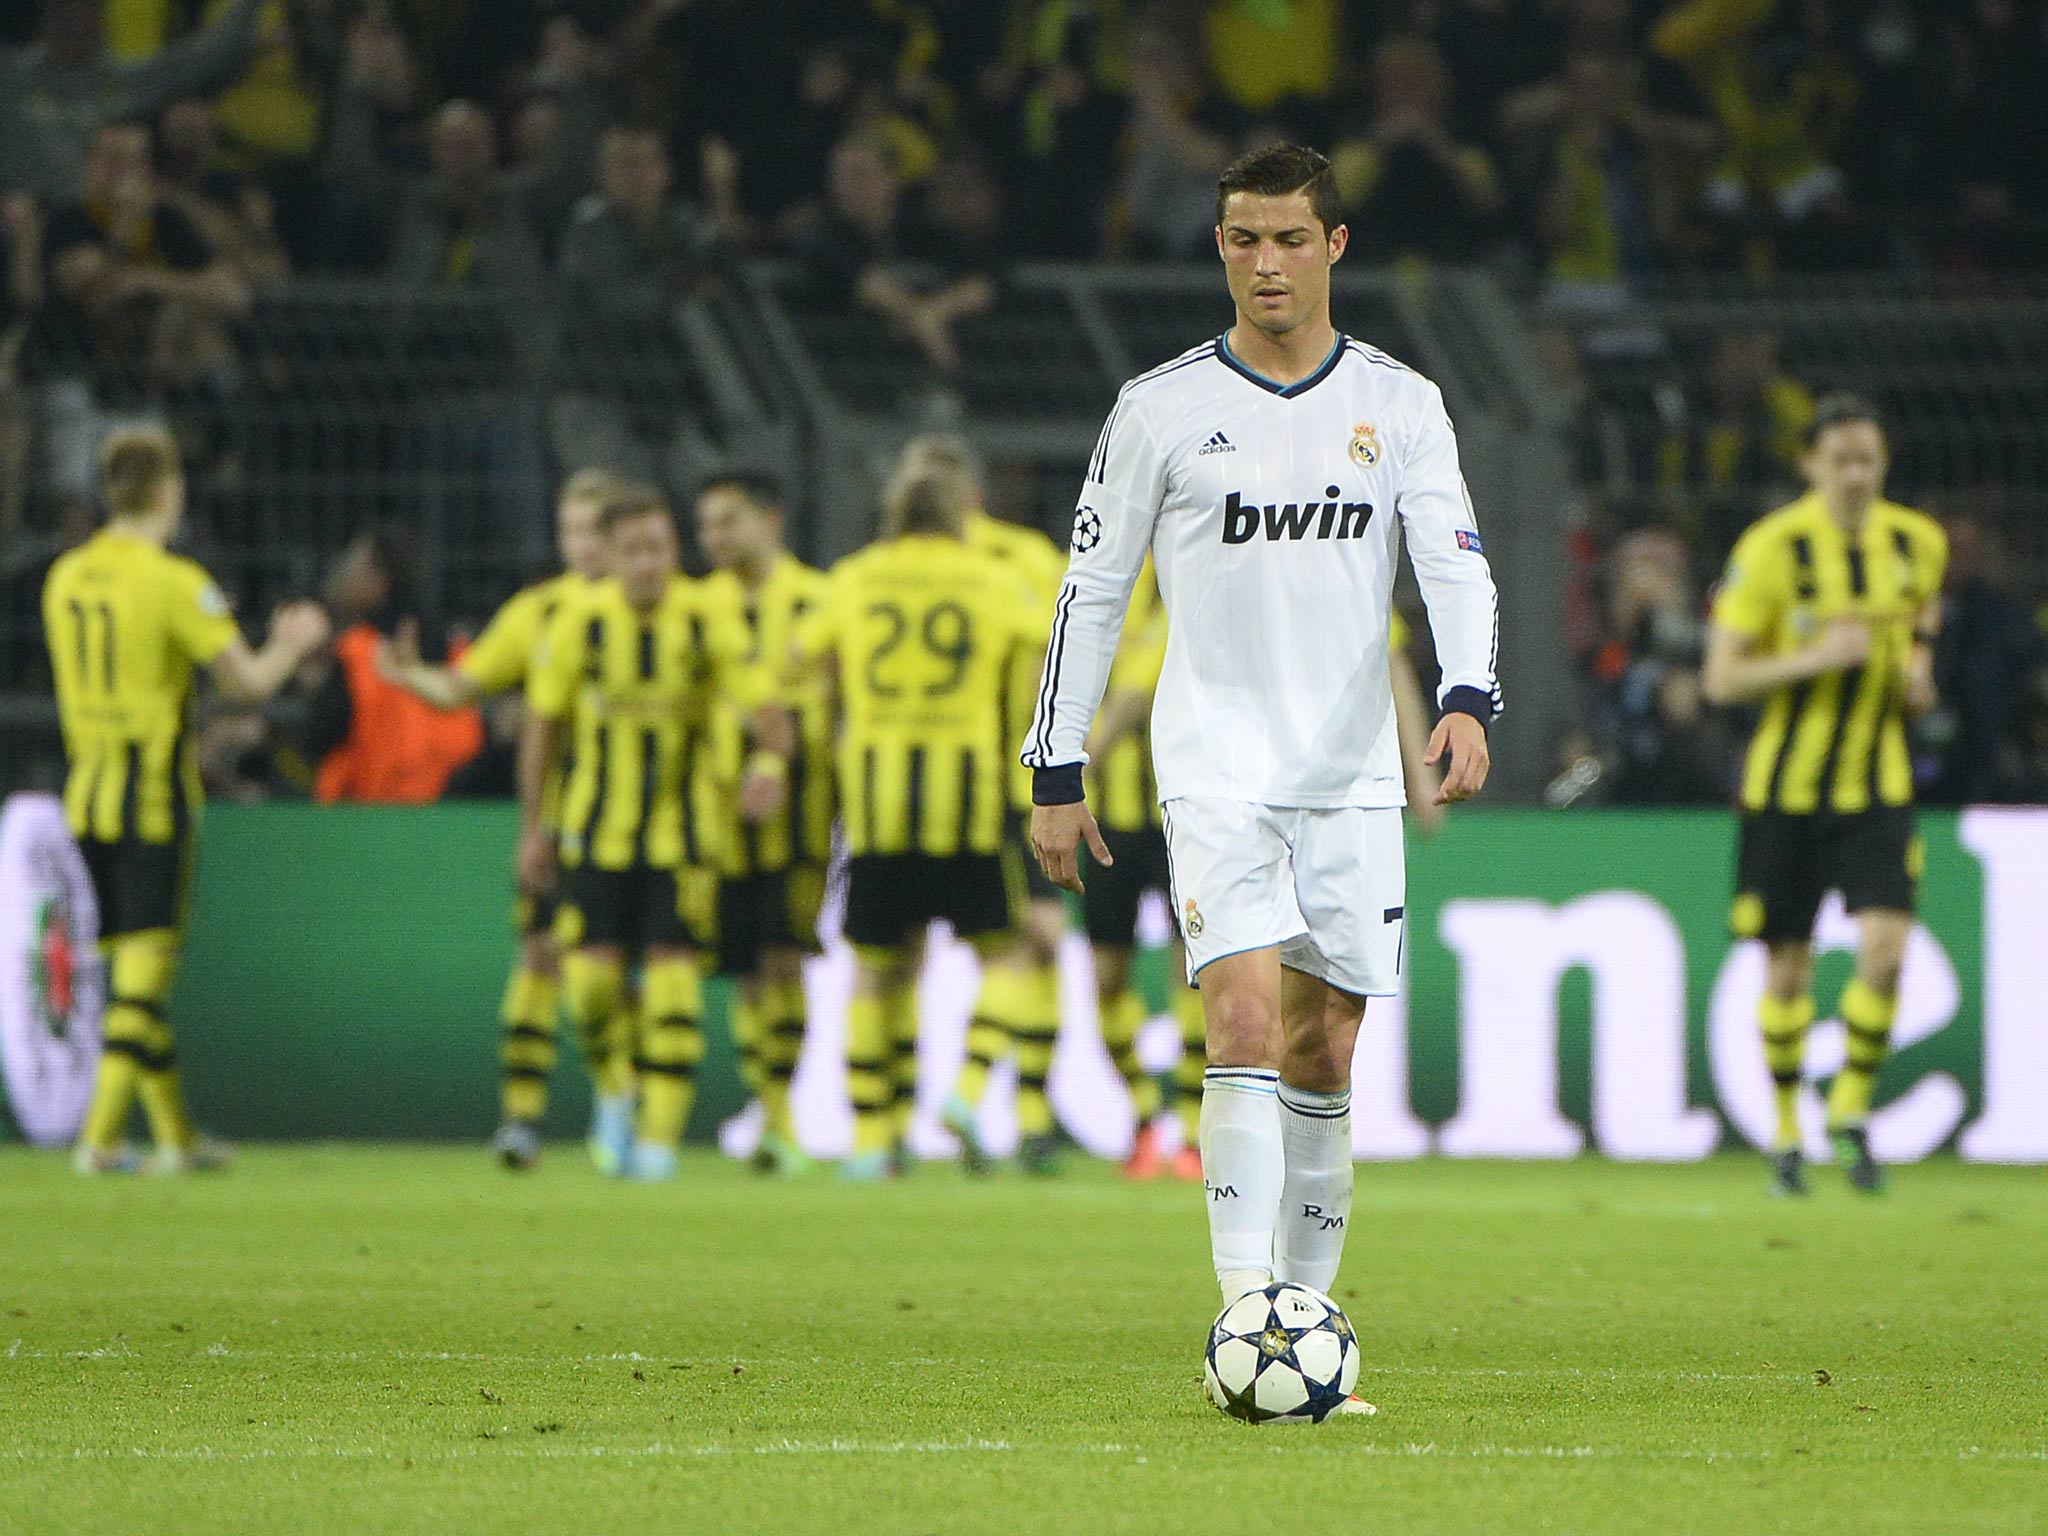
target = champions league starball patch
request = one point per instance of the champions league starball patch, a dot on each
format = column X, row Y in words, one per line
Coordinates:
column 1087, row 530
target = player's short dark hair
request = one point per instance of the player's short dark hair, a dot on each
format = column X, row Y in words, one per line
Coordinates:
column 134, row 464
column 1279, row 170
column 628, row 502
column 1841, row 410
column 763, row 489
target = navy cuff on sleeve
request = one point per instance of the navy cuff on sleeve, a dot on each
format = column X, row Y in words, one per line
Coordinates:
column 1056, row 786
column 1469, row 701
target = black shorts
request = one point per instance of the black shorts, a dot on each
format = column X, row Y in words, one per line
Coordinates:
column 1786, row 863
column 1109, row 904
column 1037, row 886
column 768, row 911
column 635, row 909
column 139, row 886
column 891, row 898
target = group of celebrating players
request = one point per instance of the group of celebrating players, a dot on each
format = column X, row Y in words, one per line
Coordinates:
column 690, row 745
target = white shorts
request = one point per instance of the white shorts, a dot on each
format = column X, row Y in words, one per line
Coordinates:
column 1328, row 886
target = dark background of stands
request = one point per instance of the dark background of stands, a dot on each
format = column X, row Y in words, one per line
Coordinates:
column 459, row 249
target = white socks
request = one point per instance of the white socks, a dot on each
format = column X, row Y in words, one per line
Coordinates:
column 1315, row 1205
column 1243, row 1170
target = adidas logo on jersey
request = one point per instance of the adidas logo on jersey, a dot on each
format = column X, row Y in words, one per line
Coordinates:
column 1216, row 444
column 1327, row 519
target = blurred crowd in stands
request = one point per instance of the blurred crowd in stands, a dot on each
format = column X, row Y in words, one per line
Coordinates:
column 163, row 161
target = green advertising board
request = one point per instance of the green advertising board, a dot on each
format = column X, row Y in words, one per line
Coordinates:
column 1571, row 988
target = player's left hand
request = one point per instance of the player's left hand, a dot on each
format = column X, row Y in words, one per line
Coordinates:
column 1464, row 740
column 1056, row 833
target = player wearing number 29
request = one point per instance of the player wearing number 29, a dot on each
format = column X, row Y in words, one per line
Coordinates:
column 128, row 623
column 1270, row 474
column 919, row 631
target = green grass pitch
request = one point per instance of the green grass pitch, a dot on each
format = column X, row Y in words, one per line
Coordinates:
column 371, row 1339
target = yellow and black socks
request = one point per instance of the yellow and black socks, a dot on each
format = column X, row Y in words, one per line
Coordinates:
column 988, row 1033
column 1123, row 1015
column 671, row 1046
column 868, row 1078
column 1036, row 1028
column 1194, row 1062
column 137, row 1057
column 899, row 1018
column 1868, row 1014
column 749, row 1042
column 1785, row 1023
column 596, row 992
column 784, row 1011
column 532, row 1002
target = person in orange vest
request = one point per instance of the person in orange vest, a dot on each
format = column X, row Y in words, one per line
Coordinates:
column 375, row 742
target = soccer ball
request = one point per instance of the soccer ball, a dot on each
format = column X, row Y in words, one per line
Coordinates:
column 1285, row 1353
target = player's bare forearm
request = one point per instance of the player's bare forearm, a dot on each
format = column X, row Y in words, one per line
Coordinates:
column 1461, row 739
column 1921, row 692
column 1057, row 831
column 252, row 677
column 442, row 687
column 1735, row 673
column 540, row 746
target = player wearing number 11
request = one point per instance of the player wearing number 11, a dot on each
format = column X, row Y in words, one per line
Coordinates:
column 128, row 623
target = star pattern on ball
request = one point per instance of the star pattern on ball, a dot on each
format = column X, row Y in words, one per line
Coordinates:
column 1087, row 530
column 1272, row 1336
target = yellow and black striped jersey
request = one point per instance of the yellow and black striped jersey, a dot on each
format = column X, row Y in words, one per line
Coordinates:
column 802, row 831
column 1038, row 561
column 1836, row 742
column 127, row 622
column 1122, row 789
column 637, row 690
column 924, row 630
column 502, row 656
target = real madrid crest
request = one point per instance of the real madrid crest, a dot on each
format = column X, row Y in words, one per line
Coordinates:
column 1365, row 445
column 1191, row 919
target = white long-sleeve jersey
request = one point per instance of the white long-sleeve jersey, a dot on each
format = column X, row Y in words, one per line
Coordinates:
column 1274, row 516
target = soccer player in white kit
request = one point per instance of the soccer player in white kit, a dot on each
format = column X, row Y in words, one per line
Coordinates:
column 1271, row 473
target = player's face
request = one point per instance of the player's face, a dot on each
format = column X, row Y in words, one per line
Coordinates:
column 731, row 529
column 576, row 536
column 645, row 556
column 1277, row 257
column 1847, row 463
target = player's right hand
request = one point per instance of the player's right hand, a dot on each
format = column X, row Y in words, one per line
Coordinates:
column 1056, row 833
column 1844, row 643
